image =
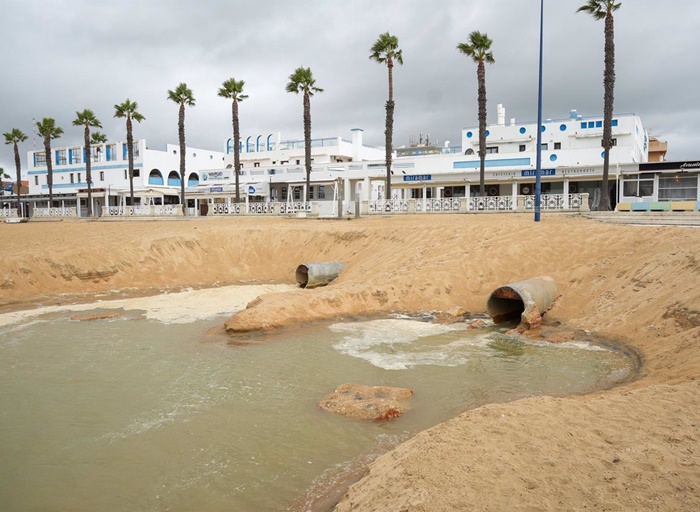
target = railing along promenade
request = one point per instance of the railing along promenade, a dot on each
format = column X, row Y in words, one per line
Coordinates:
column 329, row 208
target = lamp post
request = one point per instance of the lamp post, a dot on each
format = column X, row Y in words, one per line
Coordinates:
column 538, row 171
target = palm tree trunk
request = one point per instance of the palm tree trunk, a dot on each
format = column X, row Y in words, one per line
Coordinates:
column 389, row 129
column 609, row 97
column 481, row 76
column 236, row 147
column 18, row 167
column 307, row 143
column 181, row 134
column 130, row 152
column 88, row 170
column 49, row 169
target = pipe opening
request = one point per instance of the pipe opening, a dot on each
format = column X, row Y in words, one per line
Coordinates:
column 302, row 275
column 505, row 304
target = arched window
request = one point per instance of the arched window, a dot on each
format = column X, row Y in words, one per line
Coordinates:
column 193, row 180
column 173, row 179
column 469, row 151
column 155, row 177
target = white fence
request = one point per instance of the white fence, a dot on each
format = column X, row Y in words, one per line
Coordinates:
column 564, row 202
column 573, row 202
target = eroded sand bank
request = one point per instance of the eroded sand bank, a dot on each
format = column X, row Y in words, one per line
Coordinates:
column 631, row 448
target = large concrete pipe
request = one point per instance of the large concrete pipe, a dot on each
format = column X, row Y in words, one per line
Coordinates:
column 311, row 275
column 528, row 300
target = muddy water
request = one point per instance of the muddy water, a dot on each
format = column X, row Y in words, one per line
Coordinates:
column 141, row 412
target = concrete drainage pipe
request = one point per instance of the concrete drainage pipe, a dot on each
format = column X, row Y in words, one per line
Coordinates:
column 311, row 275
column 528, row 300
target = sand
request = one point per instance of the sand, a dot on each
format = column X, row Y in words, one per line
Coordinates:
column 634, row 447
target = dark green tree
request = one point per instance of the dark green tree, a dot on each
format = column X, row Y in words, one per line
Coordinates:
column 14, row 137
column 479, row 49
column 302, row 80
column 48, row 130
column 603, row 10
column 386, row 50
column 183, row 96
column 233, row 90
column 128, row 109
column 87, row 119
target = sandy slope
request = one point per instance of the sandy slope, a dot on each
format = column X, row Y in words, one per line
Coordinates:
column 632, row 448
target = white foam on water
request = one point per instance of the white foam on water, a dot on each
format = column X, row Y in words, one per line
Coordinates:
column 176, row 308
column 395, row 344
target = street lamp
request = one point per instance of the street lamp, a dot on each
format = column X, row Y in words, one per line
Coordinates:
column 538, row 171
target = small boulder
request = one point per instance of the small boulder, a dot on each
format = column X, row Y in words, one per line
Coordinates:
column 366, row 402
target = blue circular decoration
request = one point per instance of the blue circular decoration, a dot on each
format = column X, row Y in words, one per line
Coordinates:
column 553, row 158
column 542, row 129
column 522, row 130
column 562, row 128
column 488, row 133
column 469, row 135
column 251, row 190
column 602, row 155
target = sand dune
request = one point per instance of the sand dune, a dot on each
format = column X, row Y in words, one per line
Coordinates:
column 630, row 448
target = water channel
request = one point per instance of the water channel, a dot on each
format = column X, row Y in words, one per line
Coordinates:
column 141, row 411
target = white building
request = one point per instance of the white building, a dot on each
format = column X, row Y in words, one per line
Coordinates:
column 156, row 174
column 572, row 162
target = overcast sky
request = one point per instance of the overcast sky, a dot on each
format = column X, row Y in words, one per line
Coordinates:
column 61, row 56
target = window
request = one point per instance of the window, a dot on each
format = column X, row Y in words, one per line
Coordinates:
column 492, row 150
column 678, row 188
column 96, row 154
column 522, row 148
column 78, row 177
column 36, row 180
column 61, row 157
column 102, row 175
column 284, row 193
column 40, row 159
column 557, row 145
column 76, row 156
column 256, row 164
column 297, row 194
column 111, row 152
column 126, row 174
column 544, row 146
column 72, row 178
column 321, row 191
column 614, row 143
column 298, row 162
column 641, row 185
column 599, row 124
column 614, row 122
column 591, row 124
column 137, row 173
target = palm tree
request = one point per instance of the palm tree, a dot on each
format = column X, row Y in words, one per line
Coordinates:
column 386, row 50
column 302, row 80
column 479, row 49
column 233, row 90
column 14, row 137
column 97, row 138
column 128, row 109
column 87, row 119
column 603, row 9
column 182, row 95
column 47, row 128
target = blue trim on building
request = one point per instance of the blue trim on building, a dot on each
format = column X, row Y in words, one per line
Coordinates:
column 504, row 162
column 78, row 169
column 65, row 185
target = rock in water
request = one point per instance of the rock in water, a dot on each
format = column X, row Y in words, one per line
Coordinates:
column 366, row 402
